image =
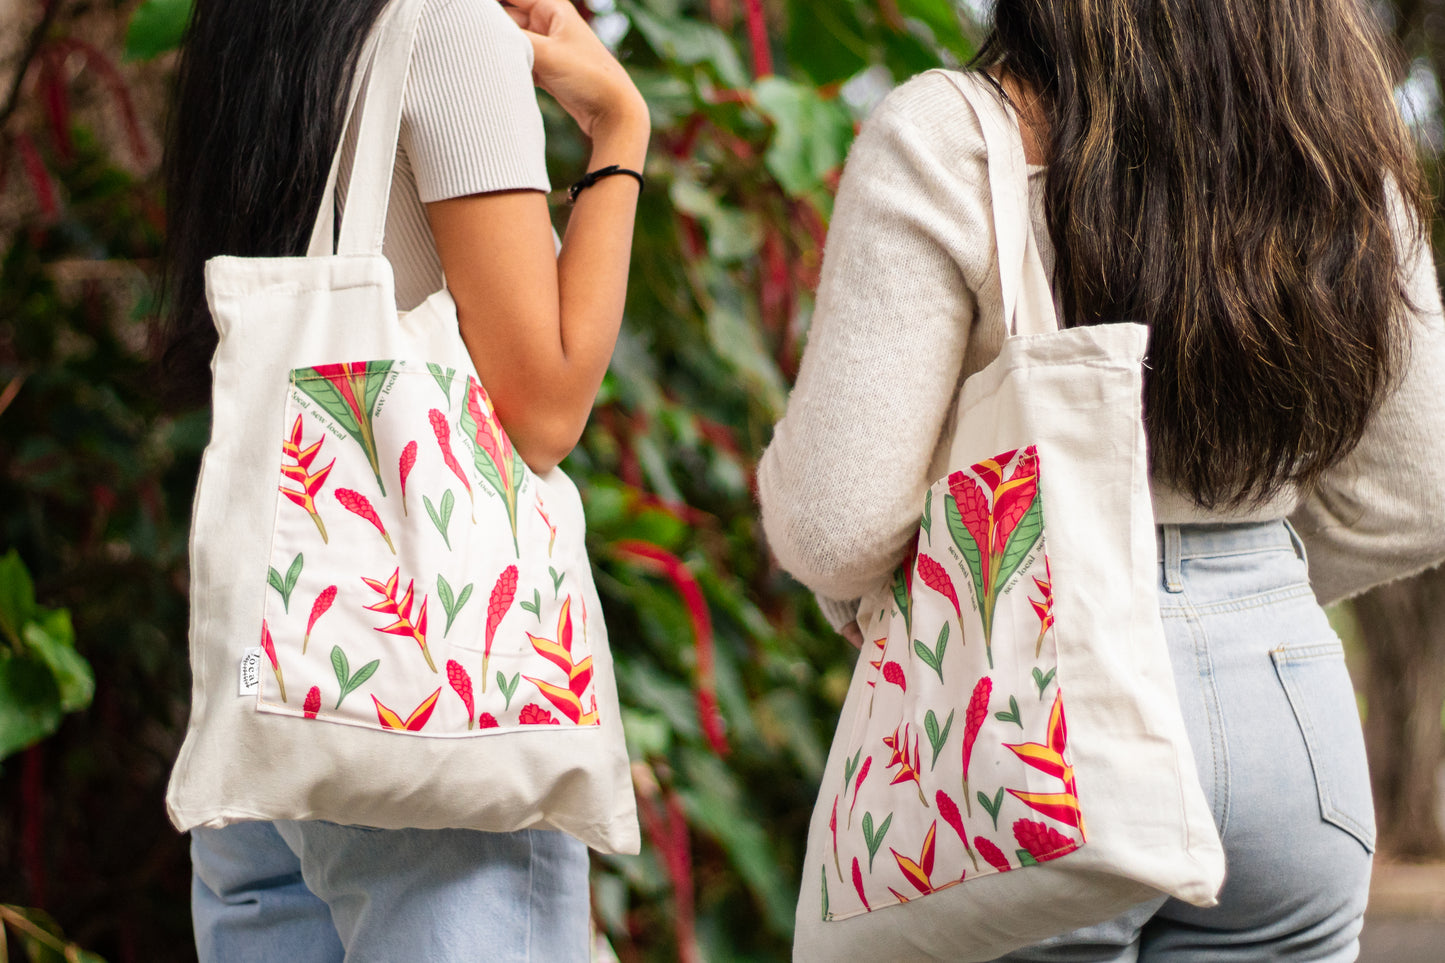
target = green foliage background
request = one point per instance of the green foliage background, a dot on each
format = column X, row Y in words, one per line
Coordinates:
column 751, row 127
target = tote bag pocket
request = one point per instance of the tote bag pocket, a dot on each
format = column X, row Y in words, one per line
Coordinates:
column 395, row 481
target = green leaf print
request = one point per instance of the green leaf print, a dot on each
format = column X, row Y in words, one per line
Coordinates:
column 1042, row 680
column 1022, row 541
column 993, row 805
column 874, row 839
column 927, row 523
column 452, row 604
column 285, row 585
column 967, row 547
column 443, row 379
column 442, row 519
column 508, row 686
column 350, row 683
column 1012, row 715
column 825, row 892
column 557, row 578
column 933, row 658
column 937, row 738
column 534, row 606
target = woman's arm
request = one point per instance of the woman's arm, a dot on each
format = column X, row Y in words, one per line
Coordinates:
column 541, row 326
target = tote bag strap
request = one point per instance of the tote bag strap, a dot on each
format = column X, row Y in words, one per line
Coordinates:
column 1028, row 301
column 376, row 95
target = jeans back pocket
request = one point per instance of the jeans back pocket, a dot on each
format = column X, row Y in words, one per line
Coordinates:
column 1318, row 686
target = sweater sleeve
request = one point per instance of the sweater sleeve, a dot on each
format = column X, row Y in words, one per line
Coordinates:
column 842, row 482
column 471, row 123
column 1379, row 515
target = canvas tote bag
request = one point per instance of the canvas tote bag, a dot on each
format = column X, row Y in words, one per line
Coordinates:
column 1011, row 763
column 393, row 620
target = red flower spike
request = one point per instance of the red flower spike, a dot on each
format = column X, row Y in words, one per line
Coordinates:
column 300, row 473
column 893, row 672
column 318, row 609
column 948, row 809
column 1041, row 842
column 443, row 433
column 412, row 723
column 534, row 715
column 973, row 720
column 935, row 576
column 833, row 827
column 657, row 559
column 858, row 784
column 992, row 854
column 358, row 504
column 502, row 595
column 487, row 721
column 270, row 648
column 404, row 467
column 312, row 705
column 858, row 883
column 462, row 684
column 404, row 626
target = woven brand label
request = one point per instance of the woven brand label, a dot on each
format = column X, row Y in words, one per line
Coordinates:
column 250, row 675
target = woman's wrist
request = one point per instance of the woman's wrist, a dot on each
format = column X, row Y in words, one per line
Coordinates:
column 621, row 135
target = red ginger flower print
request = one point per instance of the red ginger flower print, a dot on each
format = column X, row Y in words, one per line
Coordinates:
column 312, row 705
column 494, row 457
column 992, row 854
column 301, row 474
column 858, row 883
column 502, row 595
column 462, row 684
column 270, row 649
column 948, row 809
column 404, row 467
column 935, row 576
column 360, row 506
column 487, row 721
column 412, row 723
column 318, row 609
column 893, row 672
column 1041, row 842
column 534, row 715
column 443, row 432
column 1049, row 758
column 390, row 604
column 972, row 722
column 858, row 784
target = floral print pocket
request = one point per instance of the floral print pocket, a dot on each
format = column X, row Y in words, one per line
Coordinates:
column 433, row 587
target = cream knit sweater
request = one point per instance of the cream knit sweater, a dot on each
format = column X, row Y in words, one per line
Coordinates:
column 909, row 305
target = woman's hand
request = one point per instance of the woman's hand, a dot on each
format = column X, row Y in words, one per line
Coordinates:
column 572, row 65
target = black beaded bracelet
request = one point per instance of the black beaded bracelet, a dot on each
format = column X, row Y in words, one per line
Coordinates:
column 597, row 175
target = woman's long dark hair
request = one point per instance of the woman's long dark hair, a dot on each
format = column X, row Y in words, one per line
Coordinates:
column 1223, row 171
column 257, row 117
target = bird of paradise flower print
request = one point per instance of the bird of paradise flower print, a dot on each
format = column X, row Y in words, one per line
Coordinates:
column 567, row 699
column 400, row 607
column 412, row 723
column 1044, row 607
column 494, row 456
column 1049, row 759
column 349, row 393
column 301, row 473
column 995, row 518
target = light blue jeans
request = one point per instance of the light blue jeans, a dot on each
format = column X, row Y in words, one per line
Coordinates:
column 316, row 892
column 1276, row 736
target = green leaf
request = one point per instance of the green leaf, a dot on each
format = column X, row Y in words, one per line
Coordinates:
column 874, row 840
column 444, row 592
column 436, row 519
column 157, row 26
column 1012, row 715
column 810, row 135
column 17, row 596
column 1021, row 541
column 52, row 639
column 292, row 575
column 690, row 43
column 966, row 545
column 732, row 234
column 992, row 805
column 827, row 40
column 850, row 766
column 557, row 578
column 927, row 523
column 508, row 686
column 449, row 502
column 29, row 703
column 1042, row 679
column 942, row 18
column 937, row 738
column 933, row 658
column 443, row 379
column 342, row 667
column 356, row 681
column 462, row 599
column 534, row 606
column 1026, row 858
column 274, row 579
column 825, row 891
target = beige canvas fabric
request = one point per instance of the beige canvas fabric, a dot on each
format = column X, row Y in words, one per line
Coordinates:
column 1029, row 600
column 431, row 647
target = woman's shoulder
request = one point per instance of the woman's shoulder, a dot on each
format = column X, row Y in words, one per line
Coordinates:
column 928, row 115
column 470, row 21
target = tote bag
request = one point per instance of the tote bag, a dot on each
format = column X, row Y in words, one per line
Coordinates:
column 393, row 620
column 1011, row 762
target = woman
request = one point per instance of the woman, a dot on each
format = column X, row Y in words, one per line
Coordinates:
column 257, row 122
column 1235, row 174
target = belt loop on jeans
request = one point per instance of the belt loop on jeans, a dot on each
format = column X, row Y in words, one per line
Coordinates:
column 1297, row 542
column 1173, row 562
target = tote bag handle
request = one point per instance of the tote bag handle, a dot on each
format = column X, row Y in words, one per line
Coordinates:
column 1028, row 301
column 376, row 93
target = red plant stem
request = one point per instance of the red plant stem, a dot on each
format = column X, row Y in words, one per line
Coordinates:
column 667, row 832
column 758, row 38
column 40, row 180
column 119, row 92
column 32, row 822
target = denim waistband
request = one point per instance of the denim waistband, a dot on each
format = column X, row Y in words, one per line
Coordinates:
column 1175, row 543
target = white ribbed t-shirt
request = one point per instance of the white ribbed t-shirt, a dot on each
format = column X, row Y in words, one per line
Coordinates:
column 470, row 125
